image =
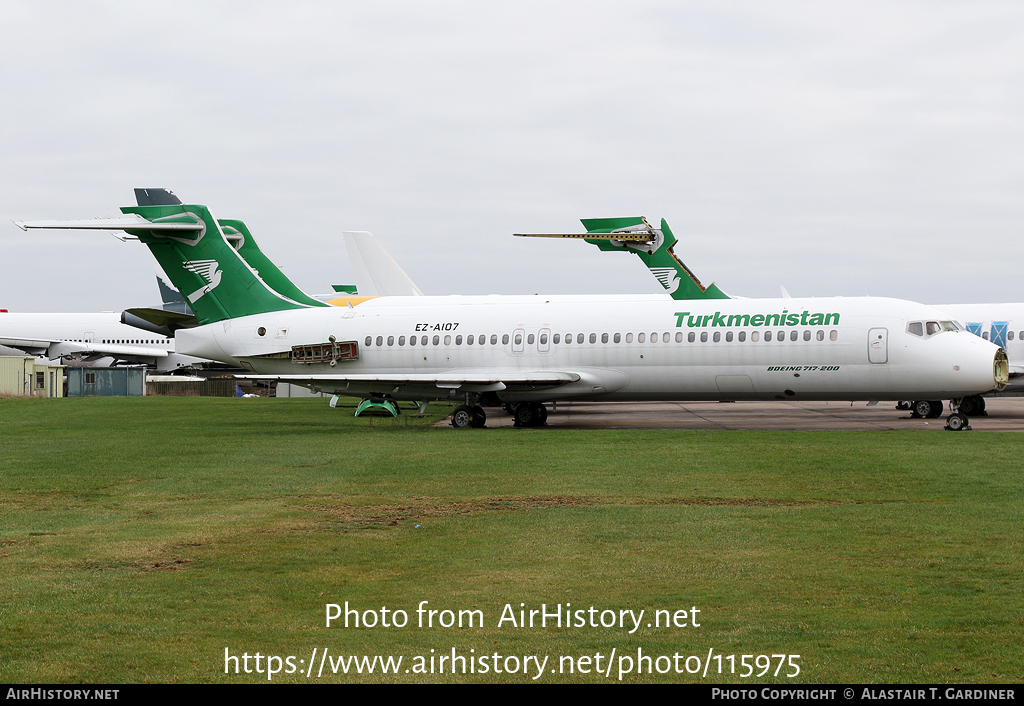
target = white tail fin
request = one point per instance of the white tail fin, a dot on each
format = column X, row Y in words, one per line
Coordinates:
column 376, row 272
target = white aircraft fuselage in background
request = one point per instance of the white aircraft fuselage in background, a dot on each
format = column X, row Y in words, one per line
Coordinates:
column 91, row 337
column 1002, row 324
column 867, row 355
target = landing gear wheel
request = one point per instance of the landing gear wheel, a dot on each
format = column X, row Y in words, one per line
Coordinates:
column 957, row 422
column 904, row 405
column 542, row 415
column 530, row 414
column 479, row 417
column 525, row 415
column 462, row 417
column 936, row 409
column 921, row 409
column 972, row 406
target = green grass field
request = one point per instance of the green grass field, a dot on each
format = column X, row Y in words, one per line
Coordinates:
column 140, row 537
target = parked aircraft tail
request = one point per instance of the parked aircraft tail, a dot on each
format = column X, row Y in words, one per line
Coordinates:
column 656, row 253
column 652, row 245
column 197, row 256
column 263, row 266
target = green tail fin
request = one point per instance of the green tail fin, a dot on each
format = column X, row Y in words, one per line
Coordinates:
column 264, row 267
column 215, row 279
column 657, row 255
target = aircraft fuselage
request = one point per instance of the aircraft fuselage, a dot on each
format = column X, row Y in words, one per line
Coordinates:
column 622, row 348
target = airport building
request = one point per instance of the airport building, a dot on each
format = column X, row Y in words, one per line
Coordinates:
column 22, row 376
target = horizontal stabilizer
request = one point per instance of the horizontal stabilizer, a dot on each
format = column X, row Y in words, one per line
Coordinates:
column 126, row 222
column 162, row 321
column 640, row 237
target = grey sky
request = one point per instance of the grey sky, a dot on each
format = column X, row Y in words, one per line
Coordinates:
column 855, row 148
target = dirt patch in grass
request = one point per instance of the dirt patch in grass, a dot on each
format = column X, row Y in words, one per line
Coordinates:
column 175, row 564
column 742, row 502
column 368, row 516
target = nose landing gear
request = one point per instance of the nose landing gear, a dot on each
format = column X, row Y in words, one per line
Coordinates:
column 957, row 421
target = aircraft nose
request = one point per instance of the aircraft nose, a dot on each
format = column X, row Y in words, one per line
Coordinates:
column 1000, row 369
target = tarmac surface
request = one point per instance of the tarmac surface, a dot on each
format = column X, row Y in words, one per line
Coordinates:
column 1002, row 414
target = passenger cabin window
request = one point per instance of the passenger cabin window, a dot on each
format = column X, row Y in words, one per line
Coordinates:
column 618, row 337
column 984, row 334
column 742, row 336
column 641, row 337
column 504, row 339
column 703, row 336
column 718, row 336
column 629, row 337
column 593, row 338
column 833, row 335
column 557, row 338
column 767, row 335
column 691, row 337
column 543, row 339
column 579, row 338
column 755, row 335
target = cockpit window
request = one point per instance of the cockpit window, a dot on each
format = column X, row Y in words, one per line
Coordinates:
column 930, row 328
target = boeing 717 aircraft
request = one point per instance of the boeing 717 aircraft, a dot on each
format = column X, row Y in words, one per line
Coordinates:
column 528, row 350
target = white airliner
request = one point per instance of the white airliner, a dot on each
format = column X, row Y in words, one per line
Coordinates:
column 527, row 350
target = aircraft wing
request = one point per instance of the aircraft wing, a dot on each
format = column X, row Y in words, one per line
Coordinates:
column 452, row 381
column 1016, row 370
column 82, row 349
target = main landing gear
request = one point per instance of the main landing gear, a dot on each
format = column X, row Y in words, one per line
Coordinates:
column 529, row 414
column 469, row 417
column 930, row 409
